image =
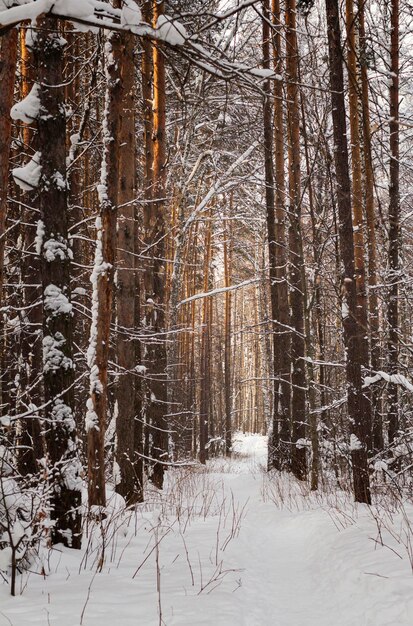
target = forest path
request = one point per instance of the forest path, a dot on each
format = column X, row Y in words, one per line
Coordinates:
column 236, row 547
column 310, row 561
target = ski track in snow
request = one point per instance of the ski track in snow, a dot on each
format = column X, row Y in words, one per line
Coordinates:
column 306, row 564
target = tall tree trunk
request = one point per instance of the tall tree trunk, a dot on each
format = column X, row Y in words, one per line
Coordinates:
column 8, row 60
column 297, row 277
column 354, row 335
column 130, row 485
column 274, row 440
column 353, row 53
column 282, row 337
column 147, row 136
column 30, row 379
column 58, row 367
column 227, row 327
column 315, row 451
column 394, row 224
column 155, row 272
column 205, row 391
column 103, row 274
column 377, row 426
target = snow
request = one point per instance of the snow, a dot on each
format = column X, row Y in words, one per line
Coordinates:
column 355, row 443
column 171, row 31
column 28, row 176
column 395, row 379
column 235, row 547
column 91, row 419
column 40, row 232
column 56, row 249
column 55, row 302
column 74, row 8
column 131, row 16
column 53, row 357
column 27, row 110
column 264, row 73
column 100, row 268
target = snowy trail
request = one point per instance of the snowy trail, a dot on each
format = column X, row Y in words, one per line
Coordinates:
column 307, row 563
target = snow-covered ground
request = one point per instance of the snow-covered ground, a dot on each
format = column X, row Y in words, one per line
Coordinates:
column 229, row 546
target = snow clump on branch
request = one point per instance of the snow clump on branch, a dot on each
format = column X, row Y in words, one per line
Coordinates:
column 171, row 31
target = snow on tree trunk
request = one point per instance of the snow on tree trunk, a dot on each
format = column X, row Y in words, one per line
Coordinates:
column 103, row 278
column 58, row 369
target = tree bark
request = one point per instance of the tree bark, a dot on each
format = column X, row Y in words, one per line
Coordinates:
column 297, row 277
column 205, row 391
column 282, row 335
column 394, row 225
column 354, row 335
column 130, row 483
column 274, row 451
column 353, row 53
column 8, row 60
column 374, row 319
column 103, row 275
column 227, row 340
column 58, row 368
column 155, row 273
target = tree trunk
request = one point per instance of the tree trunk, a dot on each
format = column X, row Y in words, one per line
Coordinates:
column 8, row 60
column 205, row 391
column 130, row 485
column 377, row 427
column 30, row 379
column 354, row 335
column 103, row 275
column 357, row 196
column 274, row 439
column 227, row 327
column 394, row 225
column 58, row 367
column 155, row 273
column 297, row 277
column 282, row 336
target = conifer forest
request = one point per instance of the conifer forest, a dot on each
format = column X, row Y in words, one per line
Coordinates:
column 206, row 308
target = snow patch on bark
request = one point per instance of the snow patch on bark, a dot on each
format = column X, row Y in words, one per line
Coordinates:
column 27, row 110
column 28, row 176
column 55, row 302
column 53, row 358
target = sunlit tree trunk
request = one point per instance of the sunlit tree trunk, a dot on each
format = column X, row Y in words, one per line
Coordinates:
column 155, row 273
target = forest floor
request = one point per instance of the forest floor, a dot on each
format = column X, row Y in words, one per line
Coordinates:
column 229, row 545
